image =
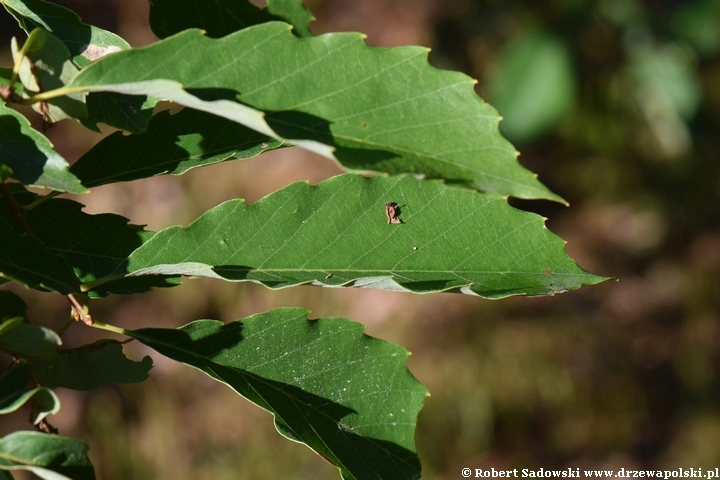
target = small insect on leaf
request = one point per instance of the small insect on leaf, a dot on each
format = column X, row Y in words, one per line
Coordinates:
column 392, row 210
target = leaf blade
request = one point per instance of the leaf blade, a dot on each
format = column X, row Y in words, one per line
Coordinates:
column 26, row 260
column 90, row 366
column 31, row 157
column 371, row 109
column 172, row 144
column 223, row 17
column 336, row 234
column 49, row 456
column 364, row 426
column 15, row 392
column 86, row 43
column 94, row 246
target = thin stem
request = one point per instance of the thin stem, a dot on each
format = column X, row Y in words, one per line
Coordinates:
column 50, row 94
column 110, row 328
column 41, row 200
column 69, row 322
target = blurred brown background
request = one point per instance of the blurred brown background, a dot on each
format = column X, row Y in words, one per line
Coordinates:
column 616, row 104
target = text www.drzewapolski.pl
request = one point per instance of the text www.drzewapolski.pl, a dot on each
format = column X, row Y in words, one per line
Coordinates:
column 577, row 473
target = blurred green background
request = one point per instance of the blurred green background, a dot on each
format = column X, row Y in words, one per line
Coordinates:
column 616, row 105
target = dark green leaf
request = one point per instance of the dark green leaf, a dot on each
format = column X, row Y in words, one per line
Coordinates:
column 5, row 172
column 173, row 144
column 86, row 44
column 25, row 260
column 15, row 391
column 533, row 86
column 127, row 112
column 52, row 457
column 45, row 65
column 11, row 306
column 28, row 341
column 370, row 108
column 31, row 157
column 294, row 13
column 337, row 234
column 223, row 17
column 347, row 396
column 90, row 366
column 93, row 245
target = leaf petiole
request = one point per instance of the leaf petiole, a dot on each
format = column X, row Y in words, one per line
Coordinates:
column 110, row 328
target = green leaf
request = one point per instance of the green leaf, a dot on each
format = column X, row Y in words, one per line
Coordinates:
column 173, row 144
column 379, row 109
column 11, row 306
column 31, row 157
column 347, row 396
column 86, row 44
column 127, row 112
column 14, row 393
column 90, row 366
column 223, row 17
column 294, row 13
column 5, row 172
column 25, row 260
column 32, row 342
column 93, row 245
column 51, row 457
column 337, row 234
column 533, row 87
column 45, row 65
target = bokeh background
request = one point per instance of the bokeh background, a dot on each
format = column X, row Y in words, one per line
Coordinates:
column 616, row 105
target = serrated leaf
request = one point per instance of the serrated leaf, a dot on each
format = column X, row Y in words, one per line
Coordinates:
column 51, row 457
column 337, row 234
column 31, row 157
column 370, row 108
column 86, row 44
column 127, row 112
column 172, row 144
column 294, row 13
column 15, row 392
column 90, row 366
column 223, row 17
column 94, row 246
column 347, row 396
column 25, row 260
column 11, row 306
column 28, row 341
column 45, row 65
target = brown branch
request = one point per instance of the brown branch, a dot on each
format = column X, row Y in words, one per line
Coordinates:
column 79, row 312
column 8, row 94
column 44, row 426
